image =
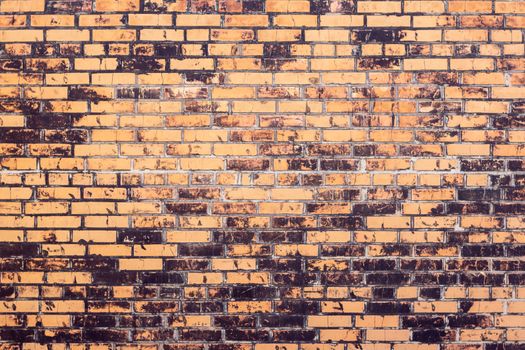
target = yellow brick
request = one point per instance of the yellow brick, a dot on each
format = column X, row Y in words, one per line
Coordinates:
column 117, row 6
column 329, row 321
column 144, row 19
column 22, row 35
column 379, row 6
column 204, row 278
column 114, row 35
column 247, row 277
column 101, row 20
column 22, row 5
column 140, row 264
column 338, row 335
column 67, row 35
column 155, row 250
column 69, row 277
column 55, row 20
column 62, row 306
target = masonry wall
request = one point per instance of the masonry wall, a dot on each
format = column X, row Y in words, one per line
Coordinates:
column 266, row 175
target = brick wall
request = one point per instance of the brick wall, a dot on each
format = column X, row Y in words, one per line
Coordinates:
column 267, row 175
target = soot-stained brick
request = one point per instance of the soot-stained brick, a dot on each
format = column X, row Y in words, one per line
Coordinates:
column 138, row 64
column 374, row 209
column 481, row 278
column 431, row 336
column 294, row 279
column 377, row 35
column 19, row 135
column 19, row 250
column 68, row 6
column 423, row 321
column 115, row 277
column 288, row 236
column 482, row 250
column 379, row 293
column 378, row 63
column 482, row 165
column 95, row 335
column 430, row 293
column 250, row 174
column 66, row 136
column 186, row 208
column 339, row 164
column 248, row 334
column 280, row 264
column 233, row 237
column 374, row 265
column 388, row 308
column 24, row 335
column 168, row 50
column 201, row 250
column 332, row 6
column 391, row 278
column 435, row 279
column 7, row 291
column 469, row 208
column 271, row 50
column 48, row 121
column 509, row 208
column 86, row 93
column 161, row 278
column 478, row 194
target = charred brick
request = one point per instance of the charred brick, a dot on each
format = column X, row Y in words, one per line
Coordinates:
column 253, row 292
column 339, row 165
column 341, row 278
column 478, row 194
column 377, row 35
column 468, row 208
column 233, row 237
column 274, row 50
column 247, row 334
column 423, row 321
column 115, row 277
column 18, row 249
column 282, row 321
column 104, row 335
column 348, row 222
column 280, row 264
column 374, row 265
column 482, row 165
column 201, row 250
column 161, row 277
column 234, row 321
column 19, row 135
column 388, row 308
column 430, row 336
column 392, row 278
column 186, row 208
column 294, row 335
column 482, row 250
column 294, row 279
column 374, row 209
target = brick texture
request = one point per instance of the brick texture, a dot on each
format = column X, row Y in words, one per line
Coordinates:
column 262, row 175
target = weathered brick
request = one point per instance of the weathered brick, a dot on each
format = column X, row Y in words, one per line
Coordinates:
column 262, row 174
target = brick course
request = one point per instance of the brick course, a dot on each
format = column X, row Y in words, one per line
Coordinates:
column 262, row 175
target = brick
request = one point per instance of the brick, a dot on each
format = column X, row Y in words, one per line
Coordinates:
column 244, row 174
column 26, row 35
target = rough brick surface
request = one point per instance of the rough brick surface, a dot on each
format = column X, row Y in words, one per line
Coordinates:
column 266, row 175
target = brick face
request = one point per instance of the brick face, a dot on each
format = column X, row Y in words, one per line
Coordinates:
column 262, row 174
